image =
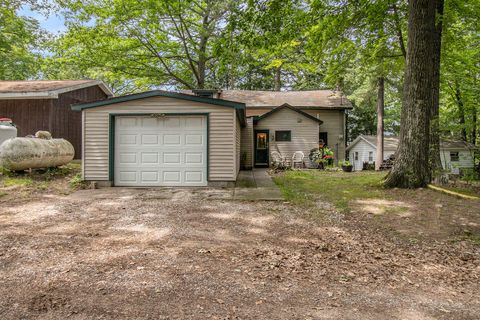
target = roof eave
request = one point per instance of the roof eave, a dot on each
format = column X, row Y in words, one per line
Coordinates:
column 29, row 95
column 240, row 107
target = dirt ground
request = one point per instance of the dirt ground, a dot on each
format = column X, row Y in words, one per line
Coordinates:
column 137, row 255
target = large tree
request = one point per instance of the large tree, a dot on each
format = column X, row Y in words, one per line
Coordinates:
column 412, row 167
column 156, row 42
column 360, row 46
column 18, row 39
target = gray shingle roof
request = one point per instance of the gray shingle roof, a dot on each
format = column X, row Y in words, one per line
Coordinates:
column 327, row 99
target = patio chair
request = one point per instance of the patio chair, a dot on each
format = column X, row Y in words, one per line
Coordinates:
column 277, row 160
column 298, row 158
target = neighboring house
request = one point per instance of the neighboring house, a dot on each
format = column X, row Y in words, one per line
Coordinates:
column 455, row 155
column 45, row 105
column 161, row 138
column 363, row 149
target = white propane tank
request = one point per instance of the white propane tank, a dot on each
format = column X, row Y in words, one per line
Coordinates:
column 30, row 153
column 7, row 129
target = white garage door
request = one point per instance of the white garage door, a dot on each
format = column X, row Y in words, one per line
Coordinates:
column 166, row 151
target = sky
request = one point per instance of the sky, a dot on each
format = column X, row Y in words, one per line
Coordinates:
column 52, row 23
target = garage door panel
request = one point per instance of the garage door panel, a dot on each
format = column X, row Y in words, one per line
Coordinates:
column 194, row 123
column 128, row 176
column 194, row 139
column 172, row 122
column 150, row 122
column 172, row 176
column 127, row 121
column 193, row 176
column 168, row 151
column 128, row 139
column 149, row 176
column 193, row 158
column 172, row 139
column 150, row 158
column 171, row 158
column 127, row 158
column 148, row 139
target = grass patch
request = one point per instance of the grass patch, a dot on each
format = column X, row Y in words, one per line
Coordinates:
column 42, row 179
column 339, row 188
column 17, row 182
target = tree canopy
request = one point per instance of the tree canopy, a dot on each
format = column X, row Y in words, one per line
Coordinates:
column 251, row 44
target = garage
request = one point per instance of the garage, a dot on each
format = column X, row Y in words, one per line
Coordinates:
column 161, row 139
column 161, row 151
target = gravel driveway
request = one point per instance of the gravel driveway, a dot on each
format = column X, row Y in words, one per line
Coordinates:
column 185, row 254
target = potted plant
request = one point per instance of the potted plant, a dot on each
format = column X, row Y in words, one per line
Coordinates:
column 328, row 156
column 346, row 166
column 321, row 163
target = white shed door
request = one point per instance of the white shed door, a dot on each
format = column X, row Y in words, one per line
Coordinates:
column 167, row 151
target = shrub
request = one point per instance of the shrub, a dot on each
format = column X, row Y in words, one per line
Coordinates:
column 76, row 182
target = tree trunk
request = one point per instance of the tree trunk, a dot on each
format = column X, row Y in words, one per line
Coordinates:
column 473, row 139
column 202, row 49
column 435, row 160
column 380, row 109
column 461, row 112
column 278, row 79
column 412, row 168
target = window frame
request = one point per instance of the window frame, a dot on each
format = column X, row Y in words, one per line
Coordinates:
column 455, row 158
column 355, row 156
column 370, row 156
column 283, row 132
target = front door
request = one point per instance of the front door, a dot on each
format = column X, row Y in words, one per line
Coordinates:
column 261, row 148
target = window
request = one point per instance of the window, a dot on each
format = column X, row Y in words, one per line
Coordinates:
column 356, row 155
column 323, row 138
column 261, row 141
column 454, row 156
column 370, row 156
column 283, row 135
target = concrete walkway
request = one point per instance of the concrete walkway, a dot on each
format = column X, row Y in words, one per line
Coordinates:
column 251, row 185
column 256, row 184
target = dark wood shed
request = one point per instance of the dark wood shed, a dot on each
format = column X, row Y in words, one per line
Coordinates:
column 45, row 105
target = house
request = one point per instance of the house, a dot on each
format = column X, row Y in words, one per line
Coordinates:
column 45, row 105
column 455, row 155
column 363, row 149
column 204, row 137
column 288, row 121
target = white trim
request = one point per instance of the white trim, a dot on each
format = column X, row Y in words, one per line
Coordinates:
column 53, row 94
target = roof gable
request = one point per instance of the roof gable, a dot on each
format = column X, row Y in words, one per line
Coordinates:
column 46, row 89
column 287, row 106
column 239, row 107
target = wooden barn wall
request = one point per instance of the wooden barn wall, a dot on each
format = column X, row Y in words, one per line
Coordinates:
column 54, row 115
column 67, row 124
column 29, row 115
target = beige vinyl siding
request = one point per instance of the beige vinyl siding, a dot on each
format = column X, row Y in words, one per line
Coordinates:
column 304, row 132
column 247, row 144
column 334, row 125
column 221, row 138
